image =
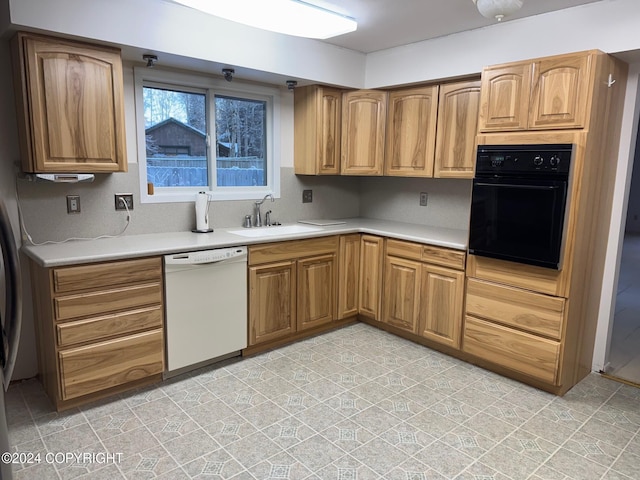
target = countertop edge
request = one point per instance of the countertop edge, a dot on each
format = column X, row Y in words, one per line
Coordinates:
column 145, row 245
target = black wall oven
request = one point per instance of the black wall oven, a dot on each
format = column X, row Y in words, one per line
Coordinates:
column 519, row 200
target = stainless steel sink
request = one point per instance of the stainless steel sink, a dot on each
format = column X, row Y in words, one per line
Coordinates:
column 258, row 232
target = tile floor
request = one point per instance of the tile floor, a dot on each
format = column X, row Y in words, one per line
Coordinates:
column 624, row 351
column 356, row 403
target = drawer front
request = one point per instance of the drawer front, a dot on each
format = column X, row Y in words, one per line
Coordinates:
column 446, row 257
column 117, row 324
column 533, row 312
column 399, row 248
column 89, row 369
column 92, row 276
column 107, row 301
column 534, row 356
column 278, row 251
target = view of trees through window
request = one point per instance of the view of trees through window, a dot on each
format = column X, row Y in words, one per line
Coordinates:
column 176, row 139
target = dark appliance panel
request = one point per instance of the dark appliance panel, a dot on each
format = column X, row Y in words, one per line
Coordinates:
column 519, row 200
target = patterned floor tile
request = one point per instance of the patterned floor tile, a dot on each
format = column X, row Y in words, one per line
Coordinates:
column 468, row 441
column 348, row 435
column 354, row 403
column 575, row 466
column 280, row 466
column 230, row 429
column 444, row 459
column 509, row 462
column 215, row 464
column 316, row 452
column 347, row 468
column 408, row 438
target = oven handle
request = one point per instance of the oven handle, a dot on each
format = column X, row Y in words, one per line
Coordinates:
column 513, row 185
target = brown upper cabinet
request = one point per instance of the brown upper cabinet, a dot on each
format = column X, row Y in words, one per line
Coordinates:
column 364, row 113
column 318, row 114
column 421, row 131
column 541, row 94
column 458, row 107
column 411, row 132
column 431, row 130
column 70, row 106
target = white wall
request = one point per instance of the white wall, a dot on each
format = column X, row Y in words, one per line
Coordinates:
column 610, row 26
column 626, row 155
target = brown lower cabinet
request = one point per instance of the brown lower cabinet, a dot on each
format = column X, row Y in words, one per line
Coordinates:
column 99, row 327
column 423, row 291
column 292, row 289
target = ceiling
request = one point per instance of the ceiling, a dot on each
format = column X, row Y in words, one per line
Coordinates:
column 385, row 24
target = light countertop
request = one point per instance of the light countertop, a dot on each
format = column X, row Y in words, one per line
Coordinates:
column 130, row 246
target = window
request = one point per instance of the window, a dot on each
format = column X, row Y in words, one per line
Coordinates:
column 199, row 134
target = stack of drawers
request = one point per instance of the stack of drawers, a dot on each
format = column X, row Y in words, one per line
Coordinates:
column 100, row 325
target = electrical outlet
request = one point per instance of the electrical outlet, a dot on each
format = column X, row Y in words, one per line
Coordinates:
column 73, row 203
column 127, row 197
column 423, row 199
column 307, row 196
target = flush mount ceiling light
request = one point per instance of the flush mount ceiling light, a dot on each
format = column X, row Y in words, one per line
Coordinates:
column 292, row 17
column 497, row 9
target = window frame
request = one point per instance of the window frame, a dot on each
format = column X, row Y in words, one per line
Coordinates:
column 211, row 86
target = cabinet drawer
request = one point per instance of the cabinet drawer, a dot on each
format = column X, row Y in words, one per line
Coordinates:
column 92, row 276
column 399, row 248
column 534, row 356
column 446, row 257
column 533, row 312
column 278, row 251
column 92, row 368
column 107, row 301
column 117, row 324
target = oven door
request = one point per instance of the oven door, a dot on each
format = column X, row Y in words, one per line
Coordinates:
column 521, row 220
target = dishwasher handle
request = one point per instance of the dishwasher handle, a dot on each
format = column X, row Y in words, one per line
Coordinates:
column 207, row 257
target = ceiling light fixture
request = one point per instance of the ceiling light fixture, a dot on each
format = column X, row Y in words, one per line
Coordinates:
column 291, row 17
column 497, row 9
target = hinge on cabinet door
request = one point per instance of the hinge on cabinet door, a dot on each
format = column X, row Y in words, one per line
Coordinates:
column 611, row 81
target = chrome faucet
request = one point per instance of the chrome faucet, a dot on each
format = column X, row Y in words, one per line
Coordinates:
column 258, row 218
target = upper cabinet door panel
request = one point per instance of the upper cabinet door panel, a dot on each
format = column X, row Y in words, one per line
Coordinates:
column 504, row 101
column 457, row 126
column 363, row 132
column 317, row 128
column 330, row 124
column 75, row 107
column 560, row 95
column 411, row 132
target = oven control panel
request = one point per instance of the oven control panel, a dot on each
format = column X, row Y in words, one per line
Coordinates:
column 524, row 159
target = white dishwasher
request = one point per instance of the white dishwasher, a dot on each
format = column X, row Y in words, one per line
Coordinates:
column 206, row 305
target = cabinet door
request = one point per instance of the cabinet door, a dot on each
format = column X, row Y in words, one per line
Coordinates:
column 317, row 128
column 370, row 291
column 458, row 109
column 272, row 301
column 316, row 291
column 348, row 275
column 441, row 298
column 560, row 96
column 411, row 132
column 504, row 97
column 363, row 132
column 74, row 107
column 401, row 293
